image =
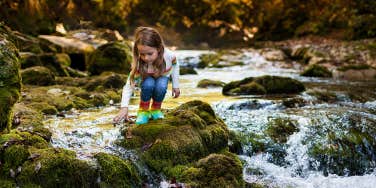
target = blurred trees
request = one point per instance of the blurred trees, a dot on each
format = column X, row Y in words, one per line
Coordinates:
column 200, row 20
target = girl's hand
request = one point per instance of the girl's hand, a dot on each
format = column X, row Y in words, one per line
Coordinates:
column 122, row 115
column 175, row 92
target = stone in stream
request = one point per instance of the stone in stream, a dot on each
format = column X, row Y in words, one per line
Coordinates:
column 263, row 85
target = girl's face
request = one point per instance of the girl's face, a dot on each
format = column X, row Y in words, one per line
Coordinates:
column 147, row 54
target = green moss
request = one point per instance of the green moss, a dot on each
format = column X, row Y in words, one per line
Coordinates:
column 279, row 129
column 210, row 83
column 236, row 140
column 252, row 88
column 316, row 71
column 103, row 58
column 57, row 63
column 346, row 152
column 38, row 75
column 187, row 133
column 208, row 60
column 115, row 172
column 113, row 96
column 13, row 157
column 80, row 103
column 57, row 168
column 10, row 81
column 263, row 85
column 44, row 108
column 277, row 84
column 187, row 70
column 215, row 170
column 4, row 183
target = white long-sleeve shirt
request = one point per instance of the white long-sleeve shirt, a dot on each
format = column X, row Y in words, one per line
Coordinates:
column 172, row 69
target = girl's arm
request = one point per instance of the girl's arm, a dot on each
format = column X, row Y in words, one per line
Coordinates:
column 175, row 73
column 175, row 78
column 127, row 91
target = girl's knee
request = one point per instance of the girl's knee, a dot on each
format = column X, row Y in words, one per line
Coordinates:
column 148, row 84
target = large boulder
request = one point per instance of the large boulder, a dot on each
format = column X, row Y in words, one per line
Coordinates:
column 10, row 81
column 187, row 134
column 114, row 56
column 263, row 85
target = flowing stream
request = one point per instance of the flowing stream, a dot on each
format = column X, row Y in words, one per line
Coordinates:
column 286, row 164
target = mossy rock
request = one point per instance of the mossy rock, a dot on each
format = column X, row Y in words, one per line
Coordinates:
column 29, row 60
column 208, row 60
column 187, row 70
column 107, row 80
column 186, row 134
column 31, row 120
column 113, row 56
column 57, row 63
column 280, row 129
column 263, row 85
column 10, row 81
column 116, row 172
column 205, row 83
column 294, row 102
column 44, row 108
column 349, row 149
column 57, row 168
column 215, row 170
column 38, row 75
column 316, row 71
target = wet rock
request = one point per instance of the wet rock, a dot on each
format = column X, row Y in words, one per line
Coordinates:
column 38, row 75
column 208, row 60
column 10, row 81
column 273, row 54
column 107, row 80
column 280, row 129
column 114, row 56
column 67, row 45
column 186, row 134
column 349, row 149
column 57, row 168
column 263, row 85
column 116, row 172
column 205, row 83
column 316, row 71
column 187, row 70
column 215, row 170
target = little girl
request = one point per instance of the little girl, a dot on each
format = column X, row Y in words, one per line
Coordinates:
column 151, row 67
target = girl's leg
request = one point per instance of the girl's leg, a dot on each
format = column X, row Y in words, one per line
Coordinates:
column 147, row 89
column 158, row 96
column 159, row 92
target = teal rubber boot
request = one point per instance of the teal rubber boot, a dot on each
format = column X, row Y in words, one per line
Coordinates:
column 142, row 117
column 156, row 114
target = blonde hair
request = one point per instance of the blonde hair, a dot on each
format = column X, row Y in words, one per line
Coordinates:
column 149, row 37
